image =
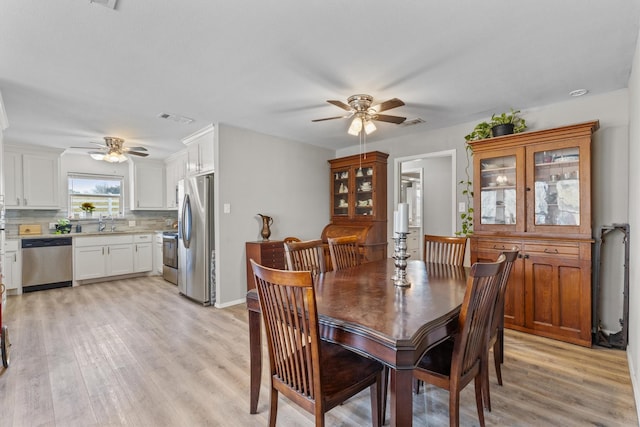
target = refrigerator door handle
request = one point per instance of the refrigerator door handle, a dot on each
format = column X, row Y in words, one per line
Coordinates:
column 186, row 221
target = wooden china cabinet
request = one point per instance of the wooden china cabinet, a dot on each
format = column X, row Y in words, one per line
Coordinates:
column 532, row 191
column 358, row 192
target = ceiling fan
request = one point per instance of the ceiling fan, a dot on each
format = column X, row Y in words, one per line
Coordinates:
column 364, row 113
column 114, row 151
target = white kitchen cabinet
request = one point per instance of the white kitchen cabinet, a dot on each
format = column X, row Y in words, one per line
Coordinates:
column 157, row 254
column 142, row 253
column 413, row 243
column 32, row 179
column 147, row 185
column 12, row 266
column 175, row 169
column 102, row 256
column 200, row 151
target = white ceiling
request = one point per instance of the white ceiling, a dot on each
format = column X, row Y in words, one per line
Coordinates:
column 72, row 72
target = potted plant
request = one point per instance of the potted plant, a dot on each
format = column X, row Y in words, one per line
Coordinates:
column 466, row 217
column 63, row 226
column 507, row 123
column 87, row 208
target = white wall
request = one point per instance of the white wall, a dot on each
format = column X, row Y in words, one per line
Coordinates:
column 610, row 172
column 633, row 195
column 257, row 173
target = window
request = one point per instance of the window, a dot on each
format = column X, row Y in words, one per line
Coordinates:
column 103, row 191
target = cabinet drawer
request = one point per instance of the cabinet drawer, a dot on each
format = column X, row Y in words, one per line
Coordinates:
column 552, row 249
column 502, row 245
column 141, row 238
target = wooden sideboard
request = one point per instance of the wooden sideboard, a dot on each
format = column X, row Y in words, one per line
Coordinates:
column 269, row 253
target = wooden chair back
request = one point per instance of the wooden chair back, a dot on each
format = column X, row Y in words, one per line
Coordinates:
column 345, row 252
column 302, row 365
column 291, row 239
column 453, row 365
column 444, row 249
column 496, row 328
column 305, row 256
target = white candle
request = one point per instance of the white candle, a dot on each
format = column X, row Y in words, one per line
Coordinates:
column 403, row 217
column 395, row 221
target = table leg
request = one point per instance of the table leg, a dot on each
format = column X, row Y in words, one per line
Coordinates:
column 255, row 357
column 401, row 397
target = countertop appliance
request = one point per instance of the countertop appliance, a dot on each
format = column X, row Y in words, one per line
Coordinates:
column 196, row 238
column 170, row 256
column 46, row 263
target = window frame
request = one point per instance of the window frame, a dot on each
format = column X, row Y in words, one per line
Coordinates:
column 77, row 213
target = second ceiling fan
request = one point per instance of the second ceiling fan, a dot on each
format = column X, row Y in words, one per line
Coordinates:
column 364, row 113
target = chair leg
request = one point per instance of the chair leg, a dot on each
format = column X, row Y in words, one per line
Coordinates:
column 484, row 380
column 454, row 408
column 478, row 384
column 384, row 392
column 376, row 389
column 273, row 408
column 498, row 355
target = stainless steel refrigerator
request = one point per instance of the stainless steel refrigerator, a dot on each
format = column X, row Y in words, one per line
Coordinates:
column 196, row 238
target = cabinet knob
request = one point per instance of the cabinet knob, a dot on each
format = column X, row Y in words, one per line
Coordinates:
column 528, row 189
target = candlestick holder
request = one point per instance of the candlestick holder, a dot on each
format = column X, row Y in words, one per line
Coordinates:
column 400, row 256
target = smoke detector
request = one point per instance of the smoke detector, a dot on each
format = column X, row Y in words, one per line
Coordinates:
column 111, row 4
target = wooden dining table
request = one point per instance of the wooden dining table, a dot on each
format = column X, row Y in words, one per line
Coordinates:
column 361, row 309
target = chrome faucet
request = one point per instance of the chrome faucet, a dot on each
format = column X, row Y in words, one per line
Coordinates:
column 113, row 223
column 101, row 223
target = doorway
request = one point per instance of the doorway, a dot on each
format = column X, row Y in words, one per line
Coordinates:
column 427, row 182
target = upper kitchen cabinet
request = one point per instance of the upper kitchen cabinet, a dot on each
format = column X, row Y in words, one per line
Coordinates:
column 200, row 151
column 175, row 170
column 146, row 184
column 32, row 178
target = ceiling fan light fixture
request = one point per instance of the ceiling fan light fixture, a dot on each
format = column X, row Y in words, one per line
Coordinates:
column 115, row 158
column 369, row 127
column 97, row 156
column 356, row 126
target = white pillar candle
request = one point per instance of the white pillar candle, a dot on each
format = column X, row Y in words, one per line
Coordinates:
column 403, row 217
column 395, row 221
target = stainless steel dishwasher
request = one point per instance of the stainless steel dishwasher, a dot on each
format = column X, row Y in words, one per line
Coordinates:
column 46, row 263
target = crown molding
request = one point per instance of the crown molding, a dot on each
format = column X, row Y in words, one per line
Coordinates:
column 205, row 130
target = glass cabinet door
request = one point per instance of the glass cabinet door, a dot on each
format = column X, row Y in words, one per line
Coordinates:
column 364, row 191
column 498, row 198
column 557, row 187
column 341, row 195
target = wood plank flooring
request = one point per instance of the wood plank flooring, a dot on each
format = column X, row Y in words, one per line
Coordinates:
column 134, row 352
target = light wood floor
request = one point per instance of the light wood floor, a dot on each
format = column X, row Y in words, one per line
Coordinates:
column 133, row 352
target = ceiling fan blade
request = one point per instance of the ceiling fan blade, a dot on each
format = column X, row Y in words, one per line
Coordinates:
column 340, row 104
column 135, row 153
column 388, row 105
column 90, row 148
column 390, row 119
column 135, row 148
column 102, row 153
column 331, row 118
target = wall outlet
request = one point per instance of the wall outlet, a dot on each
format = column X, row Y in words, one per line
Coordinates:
column 52, row 226
column 132, row 223
column 226, row 208
column 462, row 207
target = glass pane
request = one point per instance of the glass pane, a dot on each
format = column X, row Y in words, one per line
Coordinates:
column 341, row 192
column 364, row 191
column 557, row 187
column 498, row 190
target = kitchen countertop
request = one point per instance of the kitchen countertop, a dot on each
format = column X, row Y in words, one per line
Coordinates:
column 83, row 234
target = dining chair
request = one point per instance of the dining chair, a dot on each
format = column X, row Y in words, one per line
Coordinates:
column 444, row 249
column 345, row 252
column 305, row 256
column 315, row 374
column 291, row 239
column 496, row 327
column 456, row 361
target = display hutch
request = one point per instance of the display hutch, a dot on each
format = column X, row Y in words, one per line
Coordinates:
column 532, row 191
column 358, row 201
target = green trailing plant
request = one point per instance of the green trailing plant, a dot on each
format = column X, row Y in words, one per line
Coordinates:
column 466, row 217
column 481, row 131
